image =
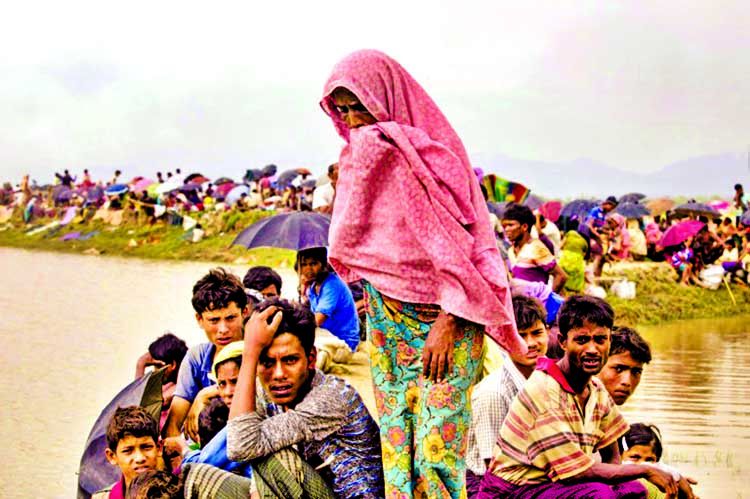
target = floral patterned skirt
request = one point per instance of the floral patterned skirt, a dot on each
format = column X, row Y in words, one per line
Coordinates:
column 423, row 425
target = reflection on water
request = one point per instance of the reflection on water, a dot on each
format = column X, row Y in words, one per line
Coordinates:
column 75, row 325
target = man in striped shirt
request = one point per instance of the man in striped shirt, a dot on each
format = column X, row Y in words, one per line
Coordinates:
column 561, row 417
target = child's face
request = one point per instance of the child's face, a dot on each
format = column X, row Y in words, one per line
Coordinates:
column 639, row 454
column 536, row 338
column 134, row 455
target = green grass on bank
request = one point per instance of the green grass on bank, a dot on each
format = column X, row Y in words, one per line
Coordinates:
column 158, row 242
column 658, row 299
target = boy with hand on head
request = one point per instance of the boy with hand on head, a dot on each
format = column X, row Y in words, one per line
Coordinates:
column 282, row 400
column 166, row 350
column 220, row 304
column 562, row 416
column 491, row 398
column 132, row 445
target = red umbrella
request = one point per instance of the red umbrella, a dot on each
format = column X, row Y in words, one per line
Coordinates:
column 223, row 189
column 551, row 210
column 680, row 231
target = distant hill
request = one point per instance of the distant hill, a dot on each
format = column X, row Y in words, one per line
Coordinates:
column 700, row 176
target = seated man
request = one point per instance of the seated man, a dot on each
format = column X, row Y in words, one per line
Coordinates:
column 529, row 258
column 297, row 405
column 220, row 303
column 330, row 299
column 491, row 398
column 132, row 445
column 562, row 416
column 212, row 431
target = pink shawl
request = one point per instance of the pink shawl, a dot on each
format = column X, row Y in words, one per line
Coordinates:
column 409, row 216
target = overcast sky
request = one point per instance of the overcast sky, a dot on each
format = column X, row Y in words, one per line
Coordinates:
column 219, row 87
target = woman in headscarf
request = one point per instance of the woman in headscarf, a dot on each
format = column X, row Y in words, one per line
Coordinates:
column 575, row 248
column 619, row 238
column 410, row 220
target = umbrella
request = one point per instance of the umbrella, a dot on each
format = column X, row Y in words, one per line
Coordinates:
column 286, row 178
column 551, row 210
column 660, row 205
column 190, row 187
column 135, row 180
column 269, row 170
column 720, row 204
column 680, row 231
column 116, row 189
column 578, row 208
column 95, row 193
column 223, row 180
column 196, row 178
column 498, row 209
column 632, row 197
column 167, row 186
column 632, row 210
column 695, row 208
column 234, row 195
column 95, row 472
column 142, row 185
column 533, row 202
column 304, row 171
column 223, row 189
column 253, row 175
column 310, row 183
column 296, row 230
column 61, row 193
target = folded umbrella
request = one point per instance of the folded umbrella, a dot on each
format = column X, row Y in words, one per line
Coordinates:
column 679, row 232
column 95, row 472
column 296, row 230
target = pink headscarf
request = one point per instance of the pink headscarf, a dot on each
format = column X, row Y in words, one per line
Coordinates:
column 409, row 216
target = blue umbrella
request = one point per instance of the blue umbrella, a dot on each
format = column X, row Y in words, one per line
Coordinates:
column 116, row 189
column 61, row 193
column 296, row 230
column 286, row 178
column 95, row 472
column 578, row 208
column 632, row 210
column 269, row 170
column 95, row 193
column 234, row 195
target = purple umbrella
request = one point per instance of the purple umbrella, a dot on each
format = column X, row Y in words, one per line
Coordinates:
column 679, row 232
column 142, row 184
column 296, row 230
column 223, row 189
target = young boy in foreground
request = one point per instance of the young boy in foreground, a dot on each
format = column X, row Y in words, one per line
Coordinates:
column 132, row 445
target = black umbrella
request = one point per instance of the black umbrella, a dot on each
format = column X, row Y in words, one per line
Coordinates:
column 253, row 175
column 694, row 208
column 95, row 472
column 632, row 197
column 310, row 183
column 192, row 176
column 61, row 193
column 632, row 210
column 223, row 180
column 296, row 230
column 286, row 178
column 578, row 208
column 269, row 170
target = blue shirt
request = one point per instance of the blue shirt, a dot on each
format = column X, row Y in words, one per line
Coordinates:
column 597, row 215
column 215, row 454
column 335, row 302
column 194, row 370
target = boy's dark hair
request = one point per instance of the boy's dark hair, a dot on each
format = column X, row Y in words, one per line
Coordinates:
column 528, row 311
column 737, row 187
column 521, row 214
column 168, row 348
column 317, row 254
column 643, row 434
column 212, row 419
column 132, row 420
column 583, row 308
column 626, row 339
column 296, row 320
column 259, row 278
column 331, row 168
column 156, row 484
column 218, row 289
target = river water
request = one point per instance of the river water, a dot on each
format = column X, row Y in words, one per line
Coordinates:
column 75, row 325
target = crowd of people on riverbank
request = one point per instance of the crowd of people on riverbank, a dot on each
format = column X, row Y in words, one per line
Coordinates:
column 450, row 296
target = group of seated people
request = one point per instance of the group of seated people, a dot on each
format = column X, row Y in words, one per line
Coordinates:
column 252, row 416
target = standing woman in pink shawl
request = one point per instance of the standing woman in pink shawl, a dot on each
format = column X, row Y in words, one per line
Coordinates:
column 410, row 220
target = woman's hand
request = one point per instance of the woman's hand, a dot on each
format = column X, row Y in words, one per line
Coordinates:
column 437, row 358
